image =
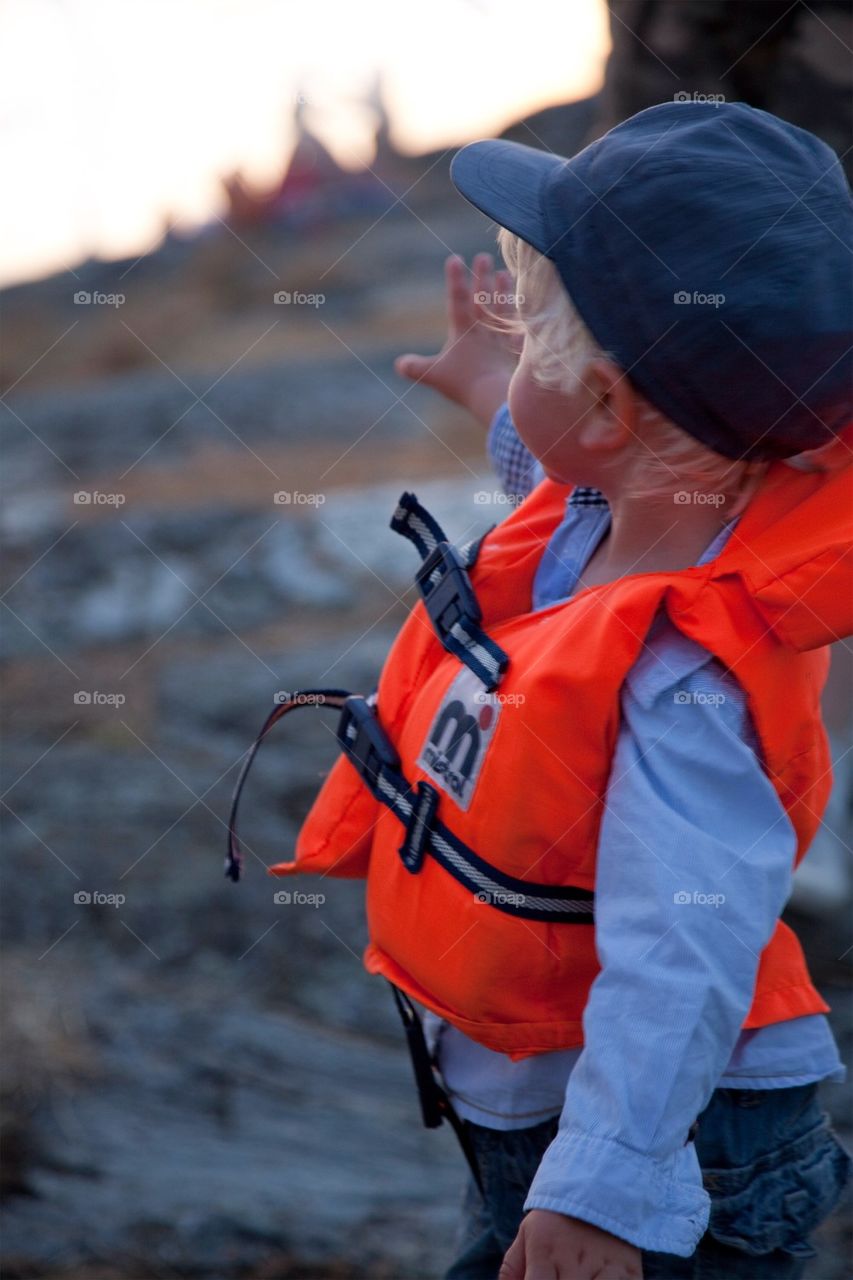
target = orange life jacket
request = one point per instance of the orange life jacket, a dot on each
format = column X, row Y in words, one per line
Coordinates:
column 516, row 776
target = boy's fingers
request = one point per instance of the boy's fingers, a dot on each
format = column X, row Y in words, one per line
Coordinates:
column 460, row 313
column 504, row 290
column 483, row 281
column 541, row 1266
column 510, row 1270
column 414, row 367
column 512, row 1267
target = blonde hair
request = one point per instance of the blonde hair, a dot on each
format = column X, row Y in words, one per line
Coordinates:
column 561, row 347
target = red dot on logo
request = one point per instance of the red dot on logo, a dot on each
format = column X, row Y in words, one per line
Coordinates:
column 486, row 716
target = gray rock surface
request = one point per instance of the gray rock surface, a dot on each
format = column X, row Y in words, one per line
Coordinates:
column 214, row 1138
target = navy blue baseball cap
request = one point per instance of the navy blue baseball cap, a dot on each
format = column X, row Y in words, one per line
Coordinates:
column 709, row 250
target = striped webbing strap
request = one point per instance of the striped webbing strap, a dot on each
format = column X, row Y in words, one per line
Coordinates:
column 447, row 592
column 371, row 752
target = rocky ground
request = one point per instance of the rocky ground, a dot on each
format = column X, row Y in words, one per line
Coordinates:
column 199, row 1081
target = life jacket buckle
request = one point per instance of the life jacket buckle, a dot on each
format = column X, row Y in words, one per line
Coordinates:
column 364, row 741
column 450, row 599
column 413, row 849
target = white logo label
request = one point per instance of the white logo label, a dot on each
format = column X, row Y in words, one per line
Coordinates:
column 459, row 736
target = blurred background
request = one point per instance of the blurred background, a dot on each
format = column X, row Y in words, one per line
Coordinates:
column 222, row 221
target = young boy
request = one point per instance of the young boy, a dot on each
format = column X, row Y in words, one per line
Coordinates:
column 629, row 705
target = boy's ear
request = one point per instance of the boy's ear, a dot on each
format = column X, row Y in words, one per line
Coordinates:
column 612, row 420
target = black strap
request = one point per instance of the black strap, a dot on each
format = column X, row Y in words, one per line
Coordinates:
column 371, row 752
column 447, row 592
column 285, row 703
column 435, row 1104
column 415, row 523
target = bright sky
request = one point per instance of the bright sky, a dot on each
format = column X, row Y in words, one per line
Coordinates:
column 116, row 114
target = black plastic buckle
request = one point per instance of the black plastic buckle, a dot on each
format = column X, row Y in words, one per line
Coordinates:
column 371, row 749
column 452, row 597
column 418, row 828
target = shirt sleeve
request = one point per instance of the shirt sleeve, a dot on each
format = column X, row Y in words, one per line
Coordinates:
column 515, row 466
column 695, row 863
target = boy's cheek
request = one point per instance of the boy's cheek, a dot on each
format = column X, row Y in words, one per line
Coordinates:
column 529, row 413
column 538, row 415
column 514, row 397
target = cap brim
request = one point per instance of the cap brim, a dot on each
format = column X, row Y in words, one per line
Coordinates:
column 506, row 181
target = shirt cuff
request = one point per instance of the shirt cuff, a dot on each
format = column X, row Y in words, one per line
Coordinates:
column 659, row 1205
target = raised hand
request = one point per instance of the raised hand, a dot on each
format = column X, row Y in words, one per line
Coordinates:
column 476, row 363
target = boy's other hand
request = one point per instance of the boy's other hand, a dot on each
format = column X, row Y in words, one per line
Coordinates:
column 551, row 1246
column 476, row 363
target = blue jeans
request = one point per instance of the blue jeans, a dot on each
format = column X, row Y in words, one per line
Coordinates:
column 770, row 1163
